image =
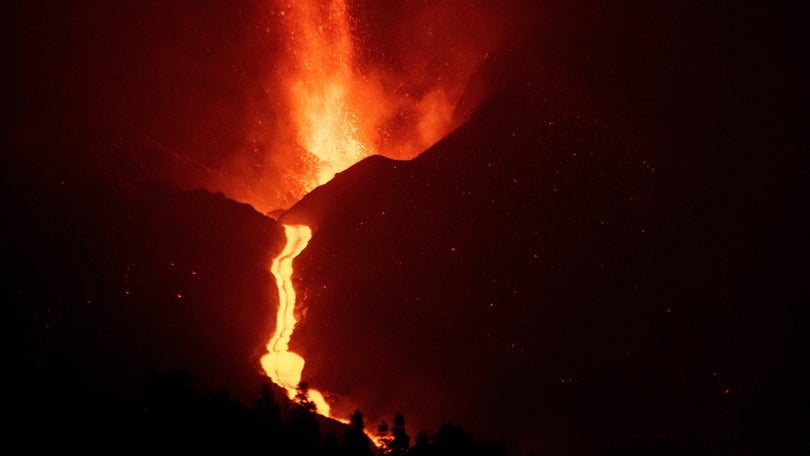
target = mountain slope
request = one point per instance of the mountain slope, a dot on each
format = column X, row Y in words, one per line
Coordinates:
column 547, row 278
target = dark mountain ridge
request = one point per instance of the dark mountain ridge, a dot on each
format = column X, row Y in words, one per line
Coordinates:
column 557, row 281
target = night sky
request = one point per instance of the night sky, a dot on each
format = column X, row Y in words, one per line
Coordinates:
column 608, row 256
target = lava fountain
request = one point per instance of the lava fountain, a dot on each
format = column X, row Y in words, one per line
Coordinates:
column 321, row 87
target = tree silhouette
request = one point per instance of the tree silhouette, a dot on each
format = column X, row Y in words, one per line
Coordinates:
column 266, row 407
column 383, row 436
column 356, row 420
column 302, row 401
column 422, row 447
column 174, row 418
column 355, row 440
column 303, row 428
column 400, row 441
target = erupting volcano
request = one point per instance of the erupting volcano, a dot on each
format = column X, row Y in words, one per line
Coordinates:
column 340, row 116
column 325, row 96
column 340, row 89
column 571, row 227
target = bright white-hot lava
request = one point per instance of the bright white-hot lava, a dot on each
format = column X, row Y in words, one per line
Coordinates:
column 281, row 365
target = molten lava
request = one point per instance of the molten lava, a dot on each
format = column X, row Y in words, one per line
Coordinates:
column 330, row 127
column 323, row 90
column 281, row 365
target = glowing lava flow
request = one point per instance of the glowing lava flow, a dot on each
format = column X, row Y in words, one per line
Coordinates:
column 281, row 365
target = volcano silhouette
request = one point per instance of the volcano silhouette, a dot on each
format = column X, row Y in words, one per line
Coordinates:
column 535, row 277
column 466, row 284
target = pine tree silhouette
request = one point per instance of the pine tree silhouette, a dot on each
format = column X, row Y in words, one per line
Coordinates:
column 401, row 441
column 355, row 440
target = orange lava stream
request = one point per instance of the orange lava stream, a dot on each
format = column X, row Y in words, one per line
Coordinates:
column 283, row 366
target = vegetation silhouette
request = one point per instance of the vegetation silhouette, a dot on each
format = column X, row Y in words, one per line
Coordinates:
column 172, row 416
